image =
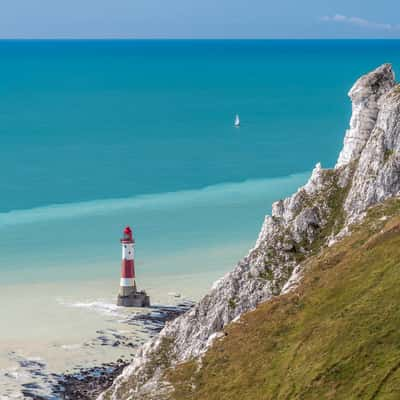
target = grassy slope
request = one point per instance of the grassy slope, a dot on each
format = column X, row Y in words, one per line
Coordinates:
column 336, row 337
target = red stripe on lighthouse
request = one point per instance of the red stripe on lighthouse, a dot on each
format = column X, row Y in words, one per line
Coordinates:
column 127, row 269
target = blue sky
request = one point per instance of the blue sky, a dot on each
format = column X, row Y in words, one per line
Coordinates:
column 199, row 19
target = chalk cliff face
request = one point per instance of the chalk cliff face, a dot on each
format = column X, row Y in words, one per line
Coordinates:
column 367, row 172
column 377, row 174
column 365, row 96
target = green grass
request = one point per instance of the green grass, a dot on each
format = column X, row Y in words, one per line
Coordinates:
column 336, row 337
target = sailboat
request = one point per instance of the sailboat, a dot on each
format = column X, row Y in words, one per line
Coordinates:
column 237, row 121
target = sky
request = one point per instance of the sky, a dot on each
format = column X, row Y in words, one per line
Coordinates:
column 199, row 19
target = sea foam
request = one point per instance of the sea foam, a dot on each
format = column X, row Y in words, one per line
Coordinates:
column 98, row 306
column 220, row 194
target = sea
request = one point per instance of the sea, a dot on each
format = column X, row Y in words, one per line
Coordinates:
column 99, row 134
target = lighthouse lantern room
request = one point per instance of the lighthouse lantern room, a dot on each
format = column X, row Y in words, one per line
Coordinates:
column 128, row 295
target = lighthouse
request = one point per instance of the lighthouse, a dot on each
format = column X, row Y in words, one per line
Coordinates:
column 128, row 295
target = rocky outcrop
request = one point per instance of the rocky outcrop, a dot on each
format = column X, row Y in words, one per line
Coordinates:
column 378, row 168
column 365, row 96
column 368, row 171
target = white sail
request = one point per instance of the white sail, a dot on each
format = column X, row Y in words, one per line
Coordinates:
column 237, row 120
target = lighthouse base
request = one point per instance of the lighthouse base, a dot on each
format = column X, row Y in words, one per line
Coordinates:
column 133, row 299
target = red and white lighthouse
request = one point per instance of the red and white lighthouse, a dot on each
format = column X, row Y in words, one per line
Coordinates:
column 127, row 282
column 128, row 295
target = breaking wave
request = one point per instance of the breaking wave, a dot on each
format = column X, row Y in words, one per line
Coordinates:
column 98, row 306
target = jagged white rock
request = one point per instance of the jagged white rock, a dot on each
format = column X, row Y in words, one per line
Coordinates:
column 293, row 280
column 365, row 96
column 367, row 171
column 377, row 174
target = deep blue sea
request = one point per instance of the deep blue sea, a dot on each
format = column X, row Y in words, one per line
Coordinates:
column 98, row 134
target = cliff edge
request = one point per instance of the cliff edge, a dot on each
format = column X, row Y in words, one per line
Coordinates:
column 335, row 336
column 317, row 215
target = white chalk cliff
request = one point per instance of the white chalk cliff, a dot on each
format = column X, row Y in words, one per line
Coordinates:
column 367, row 172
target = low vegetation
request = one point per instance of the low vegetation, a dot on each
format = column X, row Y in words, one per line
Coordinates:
column 388, row 153
column 336, row 336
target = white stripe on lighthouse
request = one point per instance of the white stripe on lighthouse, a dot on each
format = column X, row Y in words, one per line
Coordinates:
column 127, row 251
column 126, row 282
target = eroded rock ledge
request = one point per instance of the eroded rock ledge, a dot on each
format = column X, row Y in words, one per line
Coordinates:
column 319, row 213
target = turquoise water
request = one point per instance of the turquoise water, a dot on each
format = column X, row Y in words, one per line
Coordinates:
column 177, row 233
column 95, row 135
column 87, row 128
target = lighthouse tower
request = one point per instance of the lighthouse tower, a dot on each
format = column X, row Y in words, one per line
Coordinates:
column 127, row 283
column 128, row 295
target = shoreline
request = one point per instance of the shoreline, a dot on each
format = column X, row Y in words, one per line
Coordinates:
column 87, row 383
column 87, row 332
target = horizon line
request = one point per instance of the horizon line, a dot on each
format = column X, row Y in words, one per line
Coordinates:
column 90, row 38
